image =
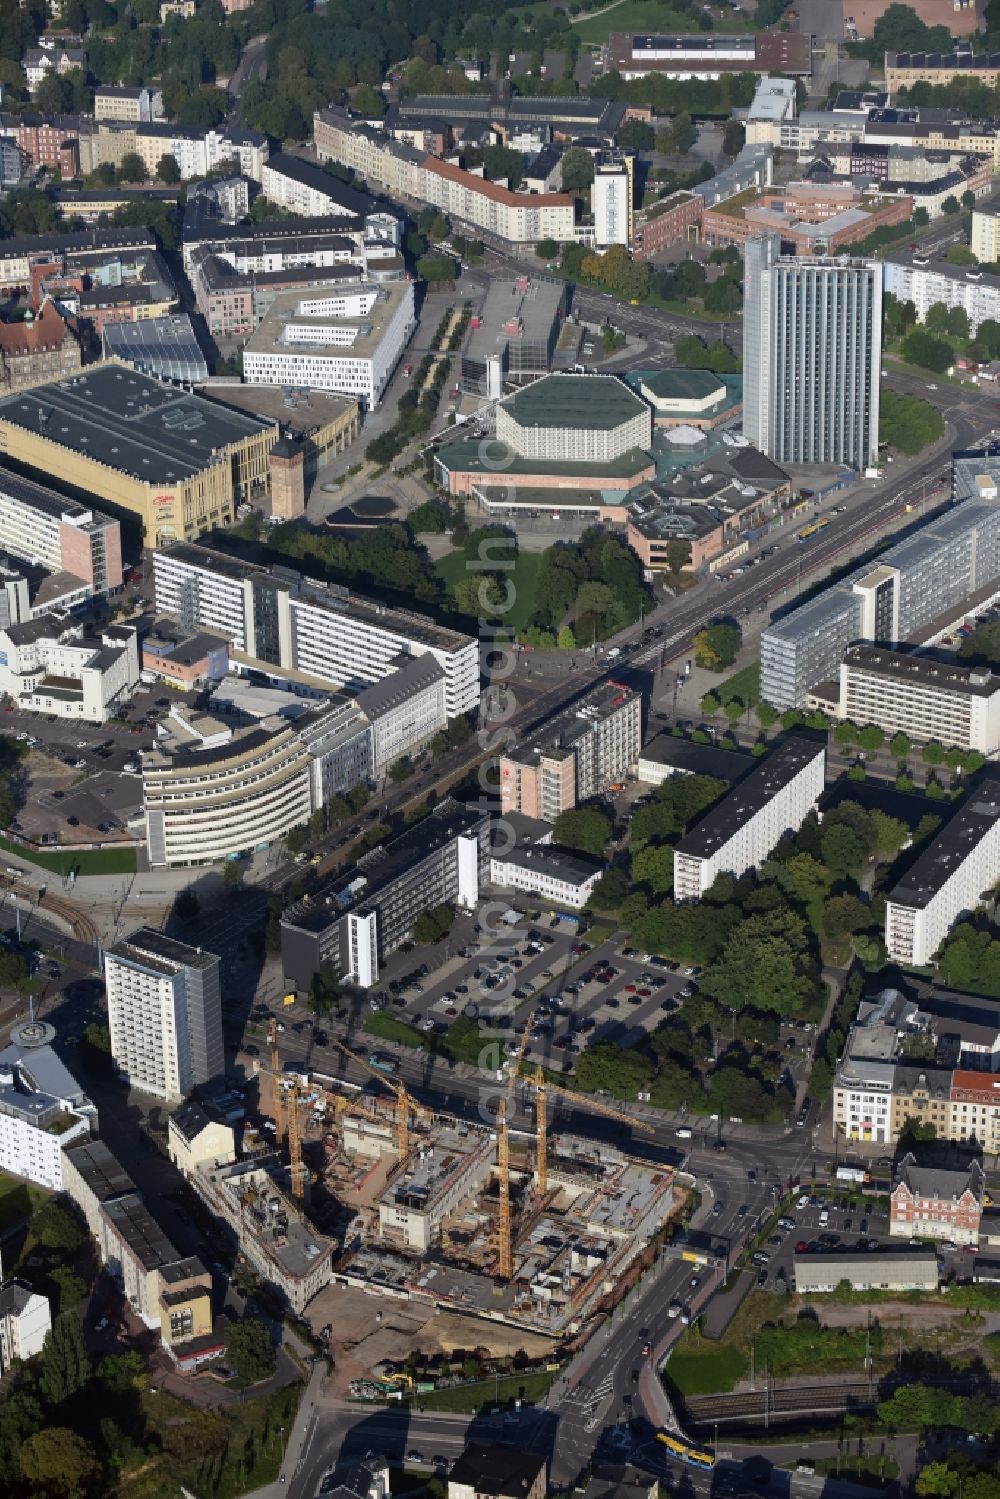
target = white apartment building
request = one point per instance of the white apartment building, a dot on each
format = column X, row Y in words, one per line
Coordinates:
column 59, row 534
column 985, row 243
column 862, row 1098
column 611, row 202
column 347, row 341
column 42, row 1111
column 740, row 831
column 38, row 62
column 934, row 281
column 198, row 152
column 164, row 1012
column 47, row 665
column 926, row 699
column 326, row 631
column 306, row 189
column 951, row 878
column 25, row 1321
column 371, row 154
column 208, row 800
column 140, row 105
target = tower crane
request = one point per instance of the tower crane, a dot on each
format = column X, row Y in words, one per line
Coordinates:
column 581, row 1101
column 294, row 1087
column 405, row 1102
column 277, row 1108
column 506, row 1265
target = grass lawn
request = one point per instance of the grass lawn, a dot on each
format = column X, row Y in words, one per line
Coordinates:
column 84, row 861
column 705, row 1368
column 18, row 1200
column 390, row 1028
column 643, row 15
column 523, row 579
column 474, row 1399
column 743, row 684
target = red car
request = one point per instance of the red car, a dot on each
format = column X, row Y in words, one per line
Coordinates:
column 802, row 1247
column 629, row 988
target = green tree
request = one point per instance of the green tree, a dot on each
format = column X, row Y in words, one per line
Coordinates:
column 249, row 1349
column 710, row 704
column 584, row 828
column 900, row 745
column 610, row 890
column 654, row 866
column 766, row 716
column 232, row 874
column 69, row 1288
column 844, row 914
column 933, row 753
column 324, row 991
column 734, row 710
column 577, row 171
column 168, row 169
column 133, row 168
column 566, row 640
column 55, row 1227
column 678, row 555
column 951, row 205
column 547, row 249
column 65, row 1365
column 609, row 1068
column 436, row 269
column 58, row 1462
column 871, row 738
column 716, row 646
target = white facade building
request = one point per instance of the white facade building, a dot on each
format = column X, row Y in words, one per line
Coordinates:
column 165, row 1013
column 951, row 878
column 977, row 292
column 47, row 665
column 926, row 699
column 611, row 199
column 740, row 831
column 325, row 631
column 575, row 419
column 25, row 1321
column 862, row 1098
column 348, row 341
column 42, row 1111
column 553, row 874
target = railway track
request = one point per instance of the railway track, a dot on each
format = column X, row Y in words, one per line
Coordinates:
column 84, row 929
column 777, row 1403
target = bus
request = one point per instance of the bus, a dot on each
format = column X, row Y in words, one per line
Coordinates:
column 808, row 532
column 683, row 1452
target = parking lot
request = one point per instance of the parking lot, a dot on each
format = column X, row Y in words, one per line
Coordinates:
column 83, row 778
column 540, row 978
column 825, row 1221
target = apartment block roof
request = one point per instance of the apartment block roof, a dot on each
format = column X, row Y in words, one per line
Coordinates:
column 557, row 863
column 940, row 1181
column 924, row 671
column 768, row 777
column 314, row 178
column 973, row 821
column 696, row 759
column 136, row 1226
column 558, row 736
column 149, row 948
column 103, row 1173
column 493, row 190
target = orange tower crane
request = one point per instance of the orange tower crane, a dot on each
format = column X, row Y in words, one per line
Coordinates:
column 581, row 1101
column 406, row 1104
column 506, row 1257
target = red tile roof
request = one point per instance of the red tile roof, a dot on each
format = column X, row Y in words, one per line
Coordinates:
column 493, row 189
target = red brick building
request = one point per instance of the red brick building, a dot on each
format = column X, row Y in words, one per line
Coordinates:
column 42, row 347
column 933, row 1202
column 672, row 219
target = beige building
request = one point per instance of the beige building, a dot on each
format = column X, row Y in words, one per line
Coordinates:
column 41, row 347
column 194, row 1139
column 92, row 1176
column 904, row 69
column 986, row 237
column 924, row 698
column 178, row 462
column 371, row 154
column 222, row 792
column 185, row 1307
column 134, row 105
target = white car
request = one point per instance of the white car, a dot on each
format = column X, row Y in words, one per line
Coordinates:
column 674, row 1310
column 803, row 1202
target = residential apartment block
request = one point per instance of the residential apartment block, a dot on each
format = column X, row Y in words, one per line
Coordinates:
column 932, row 1202
column 43, row 1110
column 904, row 69
column 25, row 1321
column 950, row 879
column 61, row 535
column 985, row 238
column 556, row 875
column 304, row 188
column 139, row 105
column 577, row 755
column 739, row 832
column 926, row 577
column 464, row 196
column 925, row 698
column 928, row 282
column 165, row 1014
column 277, row 616
column 357, row 919
column 879, row 1088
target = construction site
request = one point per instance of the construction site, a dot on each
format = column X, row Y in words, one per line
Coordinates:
column 535, row 1229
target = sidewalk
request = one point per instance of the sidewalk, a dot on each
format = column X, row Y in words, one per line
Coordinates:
column 305, row 1417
